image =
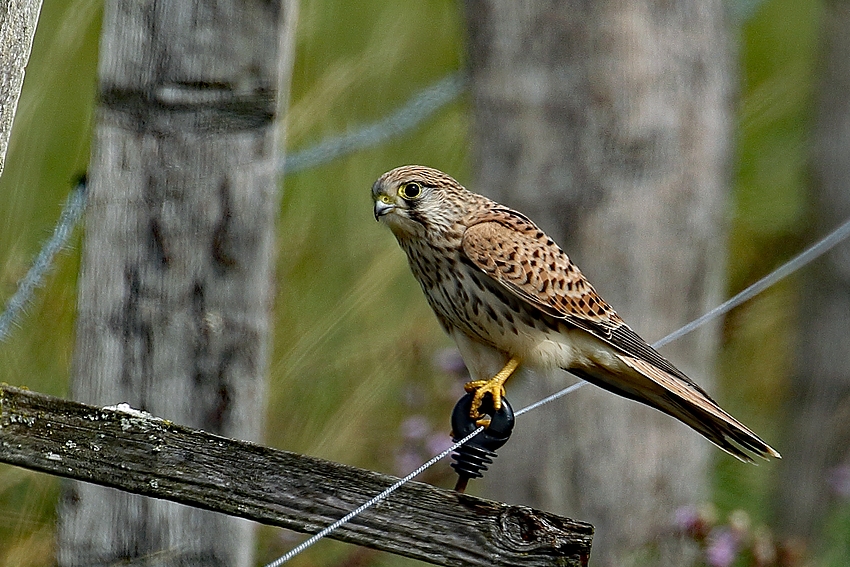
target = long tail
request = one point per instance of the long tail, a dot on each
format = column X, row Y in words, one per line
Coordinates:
column 683, row 400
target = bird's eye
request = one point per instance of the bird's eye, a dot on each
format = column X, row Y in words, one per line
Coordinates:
column 410, row 191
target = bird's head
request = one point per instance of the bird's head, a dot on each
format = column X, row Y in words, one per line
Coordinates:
column 414, row 200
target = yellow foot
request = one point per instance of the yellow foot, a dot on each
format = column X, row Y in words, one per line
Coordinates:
column 495, row 386
column 481, row 388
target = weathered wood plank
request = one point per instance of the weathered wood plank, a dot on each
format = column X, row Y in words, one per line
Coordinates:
column 139, row 453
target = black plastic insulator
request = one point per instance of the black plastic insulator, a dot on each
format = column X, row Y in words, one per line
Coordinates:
column 472, row 458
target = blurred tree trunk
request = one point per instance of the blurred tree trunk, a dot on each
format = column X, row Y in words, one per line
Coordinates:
column 18, row 20
column 818, row 437
column 175, row 288
column 609, row 124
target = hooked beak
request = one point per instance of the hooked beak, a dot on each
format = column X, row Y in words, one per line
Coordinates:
column 383, row 205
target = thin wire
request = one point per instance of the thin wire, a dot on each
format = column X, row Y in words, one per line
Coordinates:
column 375, row 500
column 814, row 251
column 71, row 212
column 807, row 256
column 743, row 11
column 551, row 398
column 811, row 253
column 418, row 108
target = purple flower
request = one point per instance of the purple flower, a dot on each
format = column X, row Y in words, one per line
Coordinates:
column 694, row 522
column 722, row 548
column 449, row 361
column 687, row 519
column 415, row 427
column 407, row 462
column 839, row 480
column 437, row 443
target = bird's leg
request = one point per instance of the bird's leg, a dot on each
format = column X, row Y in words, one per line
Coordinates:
column 495, row 386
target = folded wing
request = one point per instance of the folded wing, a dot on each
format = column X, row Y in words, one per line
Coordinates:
column 514, row 252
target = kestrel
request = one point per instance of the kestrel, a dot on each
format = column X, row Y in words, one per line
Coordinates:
column 509, row 296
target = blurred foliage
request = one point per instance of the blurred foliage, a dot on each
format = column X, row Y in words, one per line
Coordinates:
column 354, row 340
column 735, row 543
column 835, row 550
column 353, row 375
column 778, row 53
column 49, row 147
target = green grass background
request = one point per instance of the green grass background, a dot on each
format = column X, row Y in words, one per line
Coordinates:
column 354, row 342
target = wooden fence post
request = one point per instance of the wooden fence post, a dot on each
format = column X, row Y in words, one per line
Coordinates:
column 176, row 280
column 18, row 19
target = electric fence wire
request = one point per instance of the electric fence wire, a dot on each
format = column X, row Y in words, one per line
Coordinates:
column 816, row 250
column 73, row 209
column 811, row 253
column 421, row 106
column 373, row 501
column 418, row 108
